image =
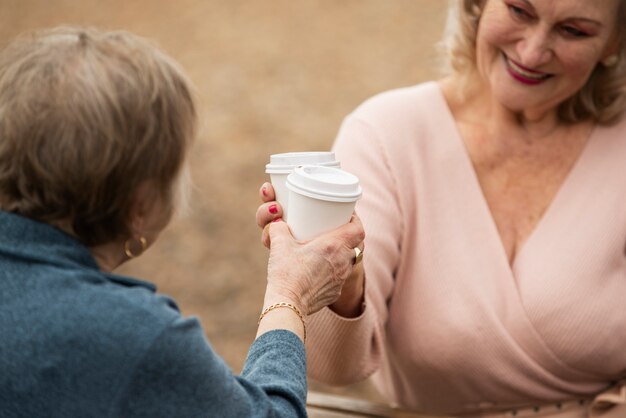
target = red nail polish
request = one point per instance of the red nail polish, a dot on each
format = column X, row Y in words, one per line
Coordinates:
column 264, row 191
column 273, row 209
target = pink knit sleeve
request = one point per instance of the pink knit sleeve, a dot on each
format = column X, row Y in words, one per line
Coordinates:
column 347, row 350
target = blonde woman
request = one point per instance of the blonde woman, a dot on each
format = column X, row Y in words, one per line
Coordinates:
column 494, row 201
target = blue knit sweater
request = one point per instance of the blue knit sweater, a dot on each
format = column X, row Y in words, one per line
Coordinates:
column 78, row 342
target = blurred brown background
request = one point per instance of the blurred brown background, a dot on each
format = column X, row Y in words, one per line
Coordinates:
column 271, row 76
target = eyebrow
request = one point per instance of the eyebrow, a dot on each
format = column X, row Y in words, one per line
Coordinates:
column 584, row 19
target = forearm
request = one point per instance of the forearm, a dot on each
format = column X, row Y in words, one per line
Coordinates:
column 276, row 364
column 281, row 318
column 180, row 375
column 348, row 305
column 343, row 350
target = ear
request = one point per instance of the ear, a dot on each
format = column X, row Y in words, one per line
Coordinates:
column 141, row 207
column 612, row 47
column 611, row 56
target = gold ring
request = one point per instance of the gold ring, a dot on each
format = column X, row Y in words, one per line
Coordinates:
column 358, row 256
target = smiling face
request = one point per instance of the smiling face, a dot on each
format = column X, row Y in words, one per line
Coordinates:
column 534, row 54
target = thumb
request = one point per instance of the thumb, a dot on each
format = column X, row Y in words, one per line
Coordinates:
column 279, row 232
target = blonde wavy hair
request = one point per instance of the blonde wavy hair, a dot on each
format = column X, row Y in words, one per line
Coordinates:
column 602, row 98
column 87, row 116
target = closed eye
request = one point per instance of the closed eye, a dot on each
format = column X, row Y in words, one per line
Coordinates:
column 519, row 13
column 573, row 32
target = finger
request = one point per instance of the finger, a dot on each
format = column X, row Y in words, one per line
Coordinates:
column 279, row 231
column 267, row 212
column 351, row 233
column 344, row 239
column 267, row 192
column 265, row 236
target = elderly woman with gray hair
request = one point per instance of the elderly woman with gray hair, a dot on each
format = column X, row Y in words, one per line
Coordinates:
column 95, row 128
column 494, row 275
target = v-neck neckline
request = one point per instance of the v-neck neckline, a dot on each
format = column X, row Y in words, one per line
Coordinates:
column 478, row 194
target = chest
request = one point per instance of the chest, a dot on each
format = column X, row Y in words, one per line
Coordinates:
column 519, row 181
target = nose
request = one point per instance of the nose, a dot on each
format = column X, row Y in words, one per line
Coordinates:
column 535, row 48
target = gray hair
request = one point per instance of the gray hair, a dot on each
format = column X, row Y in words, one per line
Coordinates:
column 85, row 117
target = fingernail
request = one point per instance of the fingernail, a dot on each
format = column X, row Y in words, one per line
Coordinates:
column 264, row 191
column 273, row 209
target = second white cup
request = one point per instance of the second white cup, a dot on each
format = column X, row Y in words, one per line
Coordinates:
column 281, row 165
column 320, row 199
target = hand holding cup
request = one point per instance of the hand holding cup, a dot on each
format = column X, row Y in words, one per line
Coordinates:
column 311, row 274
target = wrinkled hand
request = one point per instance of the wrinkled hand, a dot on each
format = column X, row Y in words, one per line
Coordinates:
column 310, row 274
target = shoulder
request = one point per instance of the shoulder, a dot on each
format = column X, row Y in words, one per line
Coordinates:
column 609, row 147
column 397, row 122
column 402, row 104
column 96, row 311
column 398, row 117
column 73, row 319
column 616, row 128
column 124, row 300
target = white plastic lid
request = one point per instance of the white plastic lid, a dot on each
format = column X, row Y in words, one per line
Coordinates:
column 324, row 183
column 285, row 163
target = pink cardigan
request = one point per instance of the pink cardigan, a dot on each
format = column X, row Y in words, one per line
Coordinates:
column 449, row 326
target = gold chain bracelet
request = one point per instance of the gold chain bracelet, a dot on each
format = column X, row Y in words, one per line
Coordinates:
column 286, row 305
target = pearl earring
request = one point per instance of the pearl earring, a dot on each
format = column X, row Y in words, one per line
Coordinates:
column 610, row 61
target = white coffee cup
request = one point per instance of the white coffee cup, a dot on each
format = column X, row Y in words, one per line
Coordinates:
column 281, row 165
column 320, row 199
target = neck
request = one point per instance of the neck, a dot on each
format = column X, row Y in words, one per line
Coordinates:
column 532, row 125
column 477, row 106
column 108, row 256
column 494, row 132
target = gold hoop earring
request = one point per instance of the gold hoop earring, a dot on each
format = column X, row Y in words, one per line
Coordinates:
column 142, row 242
column 611, row 60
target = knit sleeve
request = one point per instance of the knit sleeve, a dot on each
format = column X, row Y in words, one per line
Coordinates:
column 181, row 376
column 346, row 350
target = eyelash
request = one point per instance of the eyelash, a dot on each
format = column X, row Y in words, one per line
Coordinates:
column 573, row 32
column 521, row 14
